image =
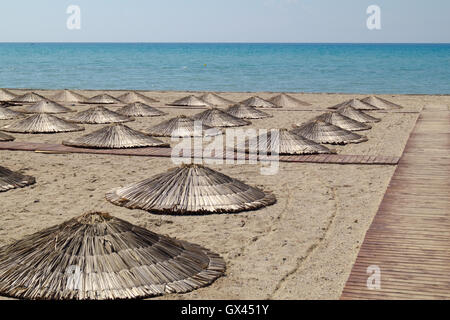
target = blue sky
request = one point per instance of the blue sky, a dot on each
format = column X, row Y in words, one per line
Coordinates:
column 225, row 21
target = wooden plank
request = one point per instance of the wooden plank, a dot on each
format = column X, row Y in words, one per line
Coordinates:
column 167, row 152
column 409, row 239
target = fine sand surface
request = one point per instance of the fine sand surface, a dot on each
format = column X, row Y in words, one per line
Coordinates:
column 303, row 247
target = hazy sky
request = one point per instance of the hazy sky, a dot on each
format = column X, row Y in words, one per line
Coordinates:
column 225, row 21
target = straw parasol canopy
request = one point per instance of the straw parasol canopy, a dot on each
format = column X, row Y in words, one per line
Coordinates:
column 30, row 97
column 357, row 115
column 12, row 180
column 324, row 132
column 343, row 122
column 190, row 101
column 6, row 137
column 115, row 136
column 282, row 142
column 8, row 114
column 103, row 98
column 46, row 106
column 98, row 115
column 190, row 189
column 134, row 96
column 41, row 123
column 181, row 126
column 245, row 112
column 139, row 109
column 355, row 103
column 6, row 95
column 258, row 102
column 68, row 96
column 217, row 118
column 285, row 100
column 216, row 100
column 100, row 257
column 381, row 103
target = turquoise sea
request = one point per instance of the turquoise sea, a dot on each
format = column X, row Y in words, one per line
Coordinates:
column 350, row 68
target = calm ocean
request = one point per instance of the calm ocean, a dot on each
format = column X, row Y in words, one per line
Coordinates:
column 350, row 68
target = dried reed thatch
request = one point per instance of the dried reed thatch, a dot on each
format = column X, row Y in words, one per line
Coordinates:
column 283, row 142
column 6, row 137
column 258, row 102
column 68, row 96
column 12, row 180
column 355, row 103
column 217, row 118
column 139, row 109
column 133, row 96
column 115, row 136
column 8, row 114
column 215, row 100
column 381, row 103
column 6, row 95
column 324, row 132
column 30, row 97
column 190, row 101
column 244, row 112
column 181, row 126
column 103, row 98
column 285, row 100
column 190, row 189
column 343, row 122
column 41, row 123
column 357, row 115
column 46, row 106
column 98, row 115
column 100, row 257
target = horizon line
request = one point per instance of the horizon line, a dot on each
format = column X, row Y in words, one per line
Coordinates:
column 205, row 42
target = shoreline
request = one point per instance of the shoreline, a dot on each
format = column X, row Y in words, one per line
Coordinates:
column 393, row 94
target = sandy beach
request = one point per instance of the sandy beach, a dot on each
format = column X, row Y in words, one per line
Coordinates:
column 303, row 247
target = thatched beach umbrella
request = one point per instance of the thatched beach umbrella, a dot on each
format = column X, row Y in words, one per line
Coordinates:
column 6, row 137
column 6, row 95
column 115, row 136
column 46, row 106
column 324, row 132
column 98, row 115
column 103, row 98
column 30, row 97
column 215, row 100
column 285, row 100
column 217, row 118
column 283, row 142
column 190, row 189
column 139, row 109
column 41, row 123
column 8, row 114
column 133, row 96
column 181, row 126
column 258, row 102
column 355, row 103
column 12, row 180
column 245, row 112
column 190, row 101
column 381, row 103
column 68, row 96
column 357, row 115
column 100, row 257
column 343, row 122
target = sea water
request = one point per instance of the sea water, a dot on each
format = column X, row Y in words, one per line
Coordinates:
column 346, row 68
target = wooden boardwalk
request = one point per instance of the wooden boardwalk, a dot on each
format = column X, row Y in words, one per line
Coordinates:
column 167, row 152
column 409, row 239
